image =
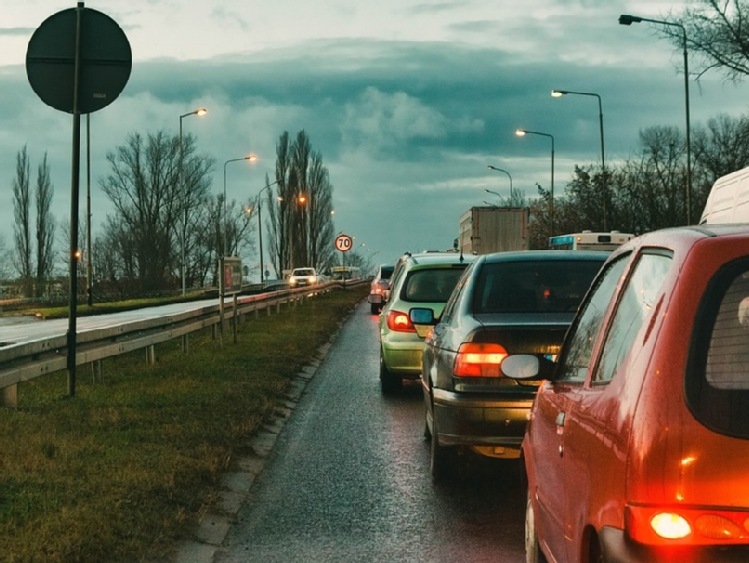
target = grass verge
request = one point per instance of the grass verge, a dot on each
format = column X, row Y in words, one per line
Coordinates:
column 122, row 471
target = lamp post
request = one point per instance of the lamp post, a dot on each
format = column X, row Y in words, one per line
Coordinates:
column 260, row 229
column 199, row 111
column 508, row 175
column 559, row 94
column 626, row 19
column 522, row 133
column 250, row 157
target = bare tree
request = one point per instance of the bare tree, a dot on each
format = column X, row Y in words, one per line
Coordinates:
column 319, row 212
column 720, row 148
column 151, row 203
column 22, row 215
column 717, row 33
column 45, row 228
column 301, row 225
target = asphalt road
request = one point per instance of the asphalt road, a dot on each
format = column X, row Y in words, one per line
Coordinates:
column 348, row 479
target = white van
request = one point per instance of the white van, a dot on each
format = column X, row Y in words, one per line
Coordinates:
column 728, row 201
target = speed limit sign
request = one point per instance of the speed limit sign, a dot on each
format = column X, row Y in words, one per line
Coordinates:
column 344, row 243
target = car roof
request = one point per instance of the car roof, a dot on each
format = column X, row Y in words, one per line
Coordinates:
column 550, row 255
column 686, row 236
column 428, row 258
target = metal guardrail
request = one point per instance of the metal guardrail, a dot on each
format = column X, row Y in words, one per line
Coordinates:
column 28, row 360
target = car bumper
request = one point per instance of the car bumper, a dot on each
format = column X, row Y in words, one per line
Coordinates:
column 476, row 420
column 617, row 548
column 403, row 358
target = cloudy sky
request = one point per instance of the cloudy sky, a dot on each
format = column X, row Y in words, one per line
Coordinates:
column 408, row 101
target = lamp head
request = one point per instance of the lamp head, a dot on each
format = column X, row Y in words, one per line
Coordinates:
column 558, row 93
column 201, row 111
column 520, row 132
column 626, row 19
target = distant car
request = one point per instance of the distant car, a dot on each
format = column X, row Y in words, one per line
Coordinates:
column 420, row 280
column 303, row 276
column 380, row 287
column 637, row 447
column 506, row 303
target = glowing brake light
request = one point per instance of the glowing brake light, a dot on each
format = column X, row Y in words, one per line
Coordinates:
column 399, row 322
column 670, row 526
column 685, row 525
column 476, row 359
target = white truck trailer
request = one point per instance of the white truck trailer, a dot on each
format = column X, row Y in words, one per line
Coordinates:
column 484, row 230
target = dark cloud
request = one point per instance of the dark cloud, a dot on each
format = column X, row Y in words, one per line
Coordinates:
column 406, row 128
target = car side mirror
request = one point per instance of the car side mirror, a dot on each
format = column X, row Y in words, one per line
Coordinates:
column 422, row 316
column 527, row 366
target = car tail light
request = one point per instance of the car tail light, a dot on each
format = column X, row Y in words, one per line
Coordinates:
column 687, row 526
column 476, row 359
column 399, row 322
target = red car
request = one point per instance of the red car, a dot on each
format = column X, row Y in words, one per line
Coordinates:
column 637, row 448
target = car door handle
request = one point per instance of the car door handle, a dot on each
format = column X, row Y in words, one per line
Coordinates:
column 560, row 430
column 560, row 419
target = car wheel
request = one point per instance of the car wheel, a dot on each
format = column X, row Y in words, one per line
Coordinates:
column 389, row 382
column 427, row 432
column 596, row 552
column 440, row 458
column 375, row 308
column 533, row 553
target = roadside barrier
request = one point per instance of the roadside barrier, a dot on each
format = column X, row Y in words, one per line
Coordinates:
column 24, row 361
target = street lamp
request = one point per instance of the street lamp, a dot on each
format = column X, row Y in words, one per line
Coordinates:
column 260, row 228
column 626, row 19
column 198, row 112
column 250, row 157
column 522, row 133
column 559, row 94
column 508, row 175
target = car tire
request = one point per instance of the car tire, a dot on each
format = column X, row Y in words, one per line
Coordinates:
column 440, row 458
column 375, row 308
column 389, row 382
column 533, row 553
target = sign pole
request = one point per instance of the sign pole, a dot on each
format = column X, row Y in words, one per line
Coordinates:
column 74, row 191
column 78, row 61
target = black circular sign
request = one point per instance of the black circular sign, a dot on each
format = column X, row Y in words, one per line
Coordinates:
column 105, row 60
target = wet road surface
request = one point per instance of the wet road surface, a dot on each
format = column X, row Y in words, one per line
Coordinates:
column 348, row 479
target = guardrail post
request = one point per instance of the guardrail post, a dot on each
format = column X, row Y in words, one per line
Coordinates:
column 151, row 355
column 185, row 343
column 96, row 371
column 10, row 396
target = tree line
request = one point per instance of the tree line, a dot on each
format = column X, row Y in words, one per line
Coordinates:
column 168, row 227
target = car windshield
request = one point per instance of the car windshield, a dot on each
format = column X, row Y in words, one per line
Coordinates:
column 430, row 285
column 304, row 272
column 553, row 286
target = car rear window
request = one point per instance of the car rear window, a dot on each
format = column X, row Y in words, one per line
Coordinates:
column 386, row 272
column 718, row 381
column 431, row 285
column 533, row 286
